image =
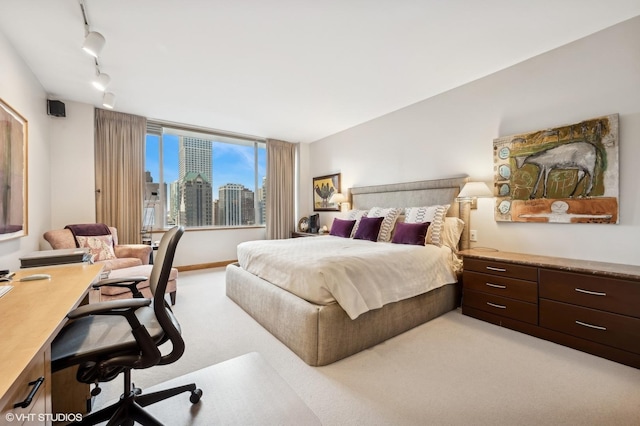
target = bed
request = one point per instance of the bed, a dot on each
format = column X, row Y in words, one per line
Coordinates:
column 323, row 332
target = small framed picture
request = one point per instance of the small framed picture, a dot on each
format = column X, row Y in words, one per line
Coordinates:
column 323, row 188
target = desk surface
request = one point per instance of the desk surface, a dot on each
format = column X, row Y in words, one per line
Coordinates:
column 33, row 313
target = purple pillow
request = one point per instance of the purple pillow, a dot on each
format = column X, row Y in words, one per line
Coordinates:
column 342, row 228
column 369, row 228
column 410, row 233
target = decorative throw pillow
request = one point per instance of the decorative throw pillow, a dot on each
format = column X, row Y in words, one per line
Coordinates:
column 410, row 233
column 390, row 216
column 342, row 228
column 369, row 228
column 100, row 246
column 356, row 215
column 433, row 214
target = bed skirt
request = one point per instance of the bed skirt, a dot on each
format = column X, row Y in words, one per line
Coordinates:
column 320, row 335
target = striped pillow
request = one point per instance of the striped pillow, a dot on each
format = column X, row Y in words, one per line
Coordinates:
column 390, row 216
column 433, row 214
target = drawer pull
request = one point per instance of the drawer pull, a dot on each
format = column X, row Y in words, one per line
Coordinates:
column 496, row 285
column 597, row 327
column 593, row 293
column 493, row 268
column 36, row 385
column 496, row 306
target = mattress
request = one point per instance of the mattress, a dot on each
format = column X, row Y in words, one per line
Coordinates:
column 359, row 275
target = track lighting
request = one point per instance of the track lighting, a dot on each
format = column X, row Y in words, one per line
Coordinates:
column 93, row 43
column 102, row 81
column 109, row 100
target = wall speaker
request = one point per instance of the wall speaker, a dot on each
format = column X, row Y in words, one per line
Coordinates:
column 55, row 108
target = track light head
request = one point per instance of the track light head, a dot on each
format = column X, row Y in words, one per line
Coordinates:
column 109, row 100
column 101, row 82
column 93, row 43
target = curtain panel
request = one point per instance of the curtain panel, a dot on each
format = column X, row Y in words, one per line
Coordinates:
column 281, row 158
column 119, row 162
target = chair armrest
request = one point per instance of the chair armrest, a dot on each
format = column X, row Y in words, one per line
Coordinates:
column 116, row 281
column 129, row 282
column 108, row 308
column 141, row 251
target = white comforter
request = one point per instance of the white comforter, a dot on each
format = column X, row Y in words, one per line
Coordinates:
column 360, row 275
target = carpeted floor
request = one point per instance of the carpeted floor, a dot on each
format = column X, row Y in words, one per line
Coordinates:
column 454, row 370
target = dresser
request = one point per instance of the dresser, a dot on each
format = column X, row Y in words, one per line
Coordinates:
column 590, row 306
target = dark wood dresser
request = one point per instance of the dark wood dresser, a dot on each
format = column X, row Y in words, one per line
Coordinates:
column 590, row 306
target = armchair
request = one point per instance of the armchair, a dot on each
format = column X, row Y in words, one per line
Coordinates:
column 109, row 338
column 131, row 260
column 127, row 255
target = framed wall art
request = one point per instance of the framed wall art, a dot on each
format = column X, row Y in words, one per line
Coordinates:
column 13, row 173
column 323, row 188
column 567, row 174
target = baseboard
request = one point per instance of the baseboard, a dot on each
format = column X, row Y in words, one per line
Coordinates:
column 205, row 265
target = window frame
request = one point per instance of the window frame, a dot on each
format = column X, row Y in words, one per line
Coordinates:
column 159, row 129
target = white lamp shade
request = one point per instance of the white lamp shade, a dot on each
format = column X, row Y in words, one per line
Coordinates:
column 93, row 43
column 109, row 100
column 101, row 82
column 475, row 190
column 337, row 198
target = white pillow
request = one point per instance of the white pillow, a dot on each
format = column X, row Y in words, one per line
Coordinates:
column 390, row 216
column 451, row 232
column 433, row 214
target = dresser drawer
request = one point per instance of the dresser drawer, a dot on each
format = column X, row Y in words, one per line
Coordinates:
column 504, row 306
column 21, row 389
column 607, row 294
column 619, row 331
column 511, row 270
column 526, row 291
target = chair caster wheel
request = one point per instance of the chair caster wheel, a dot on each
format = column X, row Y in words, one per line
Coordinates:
column 195, row 396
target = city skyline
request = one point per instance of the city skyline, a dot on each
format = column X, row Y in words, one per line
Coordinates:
column 205, row 181
column 232, row 164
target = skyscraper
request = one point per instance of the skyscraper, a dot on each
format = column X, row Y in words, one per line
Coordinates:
column 195, row 184
column 235, row 205
column 262, row 202
column 194, row 156
column 195, row 208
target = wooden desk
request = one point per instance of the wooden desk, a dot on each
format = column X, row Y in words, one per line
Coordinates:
column 31, row 315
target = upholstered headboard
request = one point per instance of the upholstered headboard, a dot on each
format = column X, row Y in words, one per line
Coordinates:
column 415, row 194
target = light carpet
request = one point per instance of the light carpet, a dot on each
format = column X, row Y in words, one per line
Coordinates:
column 454, row 370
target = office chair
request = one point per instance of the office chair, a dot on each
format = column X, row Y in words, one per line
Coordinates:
column 108, row 338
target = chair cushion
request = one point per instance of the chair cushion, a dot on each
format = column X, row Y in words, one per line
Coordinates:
column 137, row 271
column 100, row 337
column 121, row 263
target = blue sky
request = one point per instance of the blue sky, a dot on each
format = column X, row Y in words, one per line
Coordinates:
column 231, row 163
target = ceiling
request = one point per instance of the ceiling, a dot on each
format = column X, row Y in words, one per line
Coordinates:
column 297, row 70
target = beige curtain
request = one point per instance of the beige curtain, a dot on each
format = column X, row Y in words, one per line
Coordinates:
column 281, row 158
column 119, row 158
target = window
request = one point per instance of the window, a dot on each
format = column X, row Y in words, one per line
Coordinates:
column 201, row 179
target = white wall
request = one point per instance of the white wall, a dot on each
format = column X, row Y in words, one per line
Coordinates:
column 72, row 167
column 452, row 134
column 212, row 245
column 20, row 89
